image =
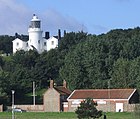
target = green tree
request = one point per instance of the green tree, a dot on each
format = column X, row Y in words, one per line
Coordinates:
column 47, row 67
column 1, row 63
column 87, row 110
column 121, row 73
column 6, row 43
column 71, row 39
column 25, row 58
column 134, row 73
column 4, row 88
column 126, row 71
column 85, row 66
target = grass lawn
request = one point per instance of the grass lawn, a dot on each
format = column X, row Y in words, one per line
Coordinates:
column 62, row 115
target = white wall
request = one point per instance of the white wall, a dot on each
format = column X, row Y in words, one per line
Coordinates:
column 52, row 43
column 18, row 44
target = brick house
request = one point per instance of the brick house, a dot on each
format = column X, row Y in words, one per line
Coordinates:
column 1, row 108
column 55, row 97
column 115, row 100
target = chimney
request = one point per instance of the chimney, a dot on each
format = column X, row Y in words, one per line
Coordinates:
column 47, row 35
column 51, row 83
column 16, row 35
column 64, row 32
column 65, row 84
column 59, row 34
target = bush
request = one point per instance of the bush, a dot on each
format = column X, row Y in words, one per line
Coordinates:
column 87, row 109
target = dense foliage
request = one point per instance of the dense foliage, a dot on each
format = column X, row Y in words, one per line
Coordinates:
column 83, row 60
column 6, row 44
column 87, row 110
column 115, row 55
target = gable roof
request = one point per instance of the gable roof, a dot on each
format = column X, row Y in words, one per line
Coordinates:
column 22, row 37
column 102, row 94
column 17, row 39
column 62, row 90
column 52, row 38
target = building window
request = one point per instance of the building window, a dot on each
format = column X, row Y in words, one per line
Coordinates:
column 17, row 44
column 44, row 43
column 26, row 44
column 52, row 42
column 38, row 41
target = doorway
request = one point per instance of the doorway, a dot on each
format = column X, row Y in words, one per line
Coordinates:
column 119, row 107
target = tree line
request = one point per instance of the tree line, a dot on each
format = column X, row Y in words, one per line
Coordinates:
column 85, row 61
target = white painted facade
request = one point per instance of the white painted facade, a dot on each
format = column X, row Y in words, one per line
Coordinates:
column 52, row 43
column 36, row 41
column 18, row 44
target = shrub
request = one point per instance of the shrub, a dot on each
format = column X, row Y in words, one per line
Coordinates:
column 87, row 109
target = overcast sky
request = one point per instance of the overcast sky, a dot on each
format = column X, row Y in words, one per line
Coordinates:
column 92, row 16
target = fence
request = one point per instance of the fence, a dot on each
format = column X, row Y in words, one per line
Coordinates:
column 31, row 108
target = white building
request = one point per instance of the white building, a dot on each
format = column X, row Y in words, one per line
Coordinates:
column 36, row 41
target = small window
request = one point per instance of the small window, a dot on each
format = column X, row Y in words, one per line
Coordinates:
column 44, row 43
column 52, row 42
column 39, row 41
column 17, row 44
column 26, row 44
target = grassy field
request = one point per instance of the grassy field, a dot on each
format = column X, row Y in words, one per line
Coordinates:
column 62, row 115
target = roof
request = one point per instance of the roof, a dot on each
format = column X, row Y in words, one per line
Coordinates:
column 102, row 93
column 22, row 37
column 62, row 90
column 53, row 37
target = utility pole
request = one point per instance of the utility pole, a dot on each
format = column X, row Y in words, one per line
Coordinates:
column 109, row 94
column 13, row 116
column 34, row 87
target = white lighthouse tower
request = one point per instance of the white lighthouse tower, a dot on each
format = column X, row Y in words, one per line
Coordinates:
column 35, row 34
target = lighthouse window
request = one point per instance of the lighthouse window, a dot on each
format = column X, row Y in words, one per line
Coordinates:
column 17, row 44
column 52, row 42
column 44, row 43
column 35, row 24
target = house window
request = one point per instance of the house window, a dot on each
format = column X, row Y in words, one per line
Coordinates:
column 17, row 44
column 52, row 42
column 62, row 97
column 44, row 43
column 38, row 41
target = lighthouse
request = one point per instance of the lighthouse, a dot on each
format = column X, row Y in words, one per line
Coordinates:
column 36, row 41
column 35, row 34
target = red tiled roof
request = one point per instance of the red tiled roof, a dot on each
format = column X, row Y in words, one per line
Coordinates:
column 102, row 94
column 62, row 90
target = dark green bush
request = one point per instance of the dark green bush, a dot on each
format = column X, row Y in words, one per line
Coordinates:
column 87, row 110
